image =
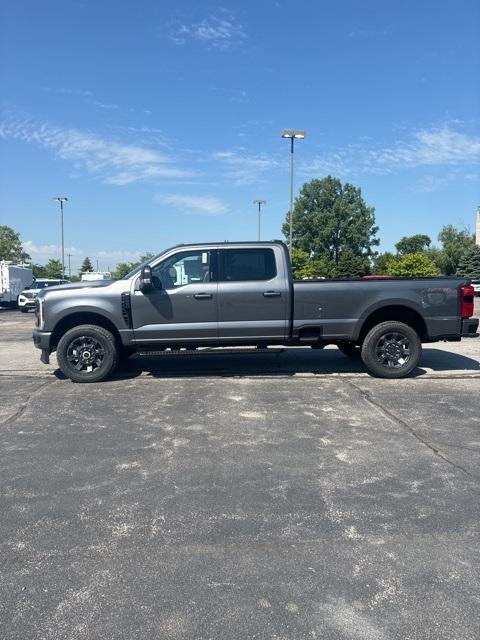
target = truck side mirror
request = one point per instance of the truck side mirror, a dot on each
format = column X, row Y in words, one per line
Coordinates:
column 146, row 280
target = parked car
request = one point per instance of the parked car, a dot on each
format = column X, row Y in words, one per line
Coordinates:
column 26, row 300
column 476, row 287
column 233, row 294
column 13, row 278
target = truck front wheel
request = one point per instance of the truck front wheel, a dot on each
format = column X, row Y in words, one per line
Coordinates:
column 391, row 350
column 87, row 353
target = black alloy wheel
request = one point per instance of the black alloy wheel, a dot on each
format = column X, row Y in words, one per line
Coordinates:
column 391, row 350
column 87, row 353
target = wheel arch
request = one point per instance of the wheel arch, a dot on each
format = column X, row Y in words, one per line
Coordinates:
column 397, row 312
column 82, row 317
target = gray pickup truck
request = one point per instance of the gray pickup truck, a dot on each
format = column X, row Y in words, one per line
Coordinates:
column 232, row 294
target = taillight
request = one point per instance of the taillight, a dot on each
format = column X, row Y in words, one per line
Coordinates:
column 466, row 301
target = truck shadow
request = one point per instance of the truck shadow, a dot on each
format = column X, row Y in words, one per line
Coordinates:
column 287, row 362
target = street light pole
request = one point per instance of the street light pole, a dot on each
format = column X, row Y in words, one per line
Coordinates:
column 61, row 200
column 259, row 202
column 292, row 134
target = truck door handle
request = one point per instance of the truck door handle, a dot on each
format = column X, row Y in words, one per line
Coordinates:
column 271, row 294
column 202, row 296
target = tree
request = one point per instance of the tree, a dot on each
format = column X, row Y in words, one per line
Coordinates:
column 469, row 265
column 86, row 266
column 38, row 271
column 413, row 244
column 411, row 265
column 304, row 266
column 11, row 246
column 455, row 243
column 123, row 268
column 330, row 217
column 53, row 269
column 351, row 265
column 380, row 264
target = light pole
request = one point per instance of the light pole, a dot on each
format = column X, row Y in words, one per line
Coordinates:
column 259, row 202
column 61, row 200
column 292, row 134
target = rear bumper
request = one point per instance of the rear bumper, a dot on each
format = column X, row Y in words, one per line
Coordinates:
column 469, row 328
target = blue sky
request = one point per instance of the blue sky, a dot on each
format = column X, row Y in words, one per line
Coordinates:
column 161, row 121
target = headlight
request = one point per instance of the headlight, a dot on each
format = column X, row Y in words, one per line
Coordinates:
column 40, row 312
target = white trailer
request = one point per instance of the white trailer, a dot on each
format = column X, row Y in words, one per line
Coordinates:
column 96, row 275
column 13, row 280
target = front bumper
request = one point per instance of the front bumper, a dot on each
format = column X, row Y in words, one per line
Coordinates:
column 42, row 340
column 469, row 328
column 26, row 301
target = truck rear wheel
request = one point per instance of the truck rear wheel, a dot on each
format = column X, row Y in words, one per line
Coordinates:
column 391, row 350
column 87, row 353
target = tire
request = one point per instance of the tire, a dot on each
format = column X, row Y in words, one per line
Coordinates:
column 391, row 350
column 87, row 353
column 350, row 349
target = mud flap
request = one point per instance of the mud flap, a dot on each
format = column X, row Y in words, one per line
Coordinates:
column 45, row 356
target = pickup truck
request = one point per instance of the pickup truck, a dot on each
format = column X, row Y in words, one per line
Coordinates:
column 235, row 294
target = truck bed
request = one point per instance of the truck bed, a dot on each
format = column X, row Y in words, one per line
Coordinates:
column 341, row 306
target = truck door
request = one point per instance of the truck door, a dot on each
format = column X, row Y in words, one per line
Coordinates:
column 183, row 305
column 252, row 294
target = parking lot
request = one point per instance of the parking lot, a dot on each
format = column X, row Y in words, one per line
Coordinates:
column 284, row 495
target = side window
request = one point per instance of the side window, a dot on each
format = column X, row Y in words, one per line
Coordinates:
column 248, row 264
column 183, row 268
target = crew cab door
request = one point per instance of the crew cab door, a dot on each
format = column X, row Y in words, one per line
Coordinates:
column 253, row 294
column 182, row 307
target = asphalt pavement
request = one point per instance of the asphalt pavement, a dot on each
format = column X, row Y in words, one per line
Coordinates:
column 278, row 496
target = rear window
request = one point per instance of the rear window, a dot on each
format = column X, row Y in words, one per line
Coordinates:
column 247, row 264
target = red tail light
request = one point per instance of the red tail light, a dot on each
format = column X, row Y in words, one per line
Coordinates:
column 466, row 301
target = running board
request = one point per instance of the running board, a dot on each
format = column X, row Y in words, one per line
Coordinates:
column 208, row 351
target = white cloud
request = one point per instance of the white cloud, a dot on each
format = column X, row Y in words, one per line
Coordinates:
column 103, row 105
column 115, row 162
column 218, row 31
column 41, row 253
column 434, row 147
column 243, row 167
column 70, row 92
column 442, row 146
column 209, row 205
column 47, row 251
